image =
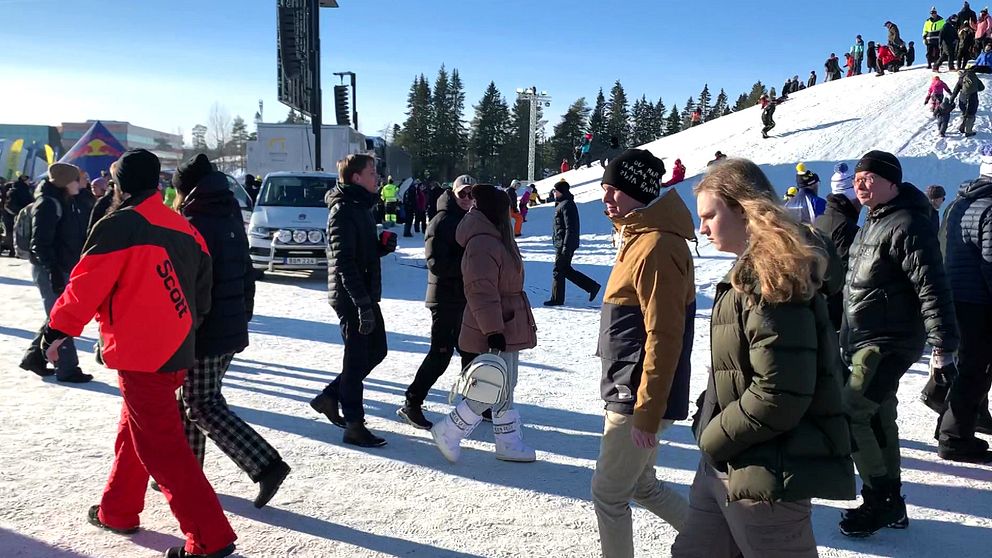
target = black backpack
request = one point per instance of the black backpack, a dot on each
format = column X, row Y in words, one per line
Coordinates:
column 23, row 224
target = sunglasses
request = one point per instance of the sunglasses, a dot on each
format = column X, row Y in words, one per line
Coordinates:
column 465, row 194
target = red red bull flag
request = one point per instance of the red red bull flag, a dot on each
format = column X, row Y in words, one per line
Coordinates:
column 95, row 151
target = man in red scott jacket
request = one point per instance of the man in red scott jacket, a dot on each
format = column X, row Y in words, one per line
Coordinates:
column 146, row 276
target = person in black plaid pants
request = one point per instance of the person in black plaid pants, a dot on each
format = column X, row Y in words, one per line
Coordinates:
column 204, row 198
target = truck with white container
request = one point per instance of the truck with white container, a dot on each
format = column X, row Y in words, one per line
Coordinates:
column 290, row 148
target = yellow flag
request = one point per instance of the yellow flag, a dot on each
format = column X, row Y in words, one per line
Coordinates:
column 49, row 154
column 11, row 170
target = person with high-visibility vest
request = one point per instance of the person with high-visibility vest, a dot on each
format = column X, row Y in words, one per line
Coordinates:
column 390, row 196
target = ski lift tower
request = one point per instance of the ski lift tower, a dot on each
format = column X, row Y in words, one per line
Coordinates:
column 536, row 99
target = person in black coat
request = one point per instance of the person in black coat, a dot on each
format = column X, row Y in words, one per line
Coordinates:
column 910, row 54
column 839, row 223
column 434, row 193
column 58, row 232
column 354, row 289
column 897, row 299
column 967, row 244
column 410, row 209
column 204, row 198
column 566, row 239
column 252, row 186
column 445, row 297
column 948, row 44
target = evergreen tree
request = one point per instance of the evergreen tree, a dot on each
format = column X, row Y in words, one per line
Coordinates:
column 415, row 135
column 720, row 107
column 757, row 90
column 597, row 121
column 659, row 120
column 447, row 137
column 489, row 130
column 644, row 128
column 239, row 141
column 673, row 124
column 704, row 102
column 396, row 133
column 617, row 116
column 741, row 103
column 568, row 132
column 690, row 106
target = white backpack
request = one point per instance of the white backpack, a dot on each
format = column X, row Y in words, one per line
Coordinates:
column 484, row 380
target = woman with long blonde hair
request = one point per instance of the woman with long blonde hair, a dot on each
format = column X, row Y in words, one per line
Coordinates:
column 771, row 429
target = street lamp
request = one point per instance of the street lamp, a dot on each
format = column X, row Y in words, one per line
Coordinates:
column 535, row 98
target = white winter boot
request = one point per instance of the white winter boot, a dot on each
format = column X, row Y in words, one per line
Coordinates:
column 510, row 444
column 449, row 433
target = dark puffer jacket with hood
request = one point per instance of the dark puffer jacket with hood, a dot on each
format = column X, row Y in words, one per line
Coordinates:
column 354, row 274
column 444, row 254
column 212, row 210
column 966, row 239
column 897, row 297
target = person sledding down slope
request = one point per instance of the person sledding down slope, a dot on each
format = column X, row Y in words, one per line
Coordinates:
column 936, row 94
column 767, row 114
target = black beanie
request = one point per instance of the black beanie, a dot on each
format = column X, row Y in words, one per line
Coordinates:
column 190, row 172
column 562, row 186
column 137, row 171
column 493, row 203
column 637, row 173
column 883, row 164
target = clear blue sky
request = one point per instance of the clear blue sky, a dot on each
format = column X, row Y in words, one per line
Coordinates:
column 162, row 64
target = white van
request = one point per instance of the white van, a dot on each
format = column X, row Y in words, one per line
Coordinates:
column 288, row 223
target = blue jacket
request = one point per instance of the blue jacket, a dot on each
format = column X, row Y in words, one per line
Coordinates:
column 984, row 59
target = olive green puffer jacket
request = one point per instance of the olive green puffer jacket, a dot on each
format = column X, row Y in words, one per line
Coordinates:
column 772, row 416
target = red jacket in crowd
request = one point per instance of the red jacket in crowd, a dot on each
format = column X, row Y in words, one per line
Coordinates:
column 564, row 166
column 885, row 56
column 146, row 275
column 678, row 173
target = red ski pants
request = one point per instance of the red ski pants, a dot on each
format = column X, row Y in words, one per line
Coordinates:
column 151, row 441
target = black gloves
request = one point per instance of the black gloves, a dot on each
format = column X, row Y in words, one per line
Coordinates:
column 366, row 320
column 49, row 336
column 57, row 280
column 387, row 243
column 497, row 342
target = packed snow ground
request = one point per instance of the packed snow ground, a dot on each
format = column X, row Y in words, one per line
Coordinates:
column 405, row 499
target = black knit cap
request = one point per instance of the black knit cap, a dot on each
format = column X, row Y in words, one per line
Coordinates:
column 637, row 173
column 190, row 172
column 883, row 164
column 492, row 202
column 562, row 186
column 137, row 171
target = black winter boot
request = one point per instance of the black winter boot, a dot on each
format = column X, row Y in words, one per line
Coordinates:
column 180, row 552
column 328, row 406
column 983, row 425
column 883, row 506
column 94, row 518
column 356, row 434
column 413, row 414
column 35, row 362
column 270, row 481
column 969, row 450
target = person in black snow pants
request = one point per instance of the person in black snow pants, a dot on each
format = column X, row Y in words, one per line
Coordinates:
column 870, row 57
column 566, row 238
column 445, row 298
column 968, row 87
column 203, row 197
column 812, row 79
column 910, row 54
column 767, row 115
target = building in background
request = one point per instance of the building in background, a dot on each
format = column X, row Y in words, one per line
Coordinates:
column 168, row 147
column 34, row 134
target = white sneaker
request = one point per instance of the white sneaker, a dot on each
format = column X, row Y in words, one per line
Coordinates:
column 449, row 433
column 510, row 444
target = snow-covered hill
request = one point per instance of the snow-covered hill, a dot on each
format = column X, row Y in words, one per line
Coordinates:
column 832, row 122
column 56, row 443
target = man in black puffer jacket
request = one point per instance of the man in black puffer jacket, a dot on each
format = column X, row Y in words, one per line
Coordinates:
column 839, row 223
column 208, row 203
column 445, row 297
column 58, row 232
column 354, row 288
column 967, row 242
column 896, row 299
column 566, row 239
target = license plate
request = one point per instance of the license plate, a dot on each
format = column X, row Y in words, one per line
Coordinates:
column 301, row 261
